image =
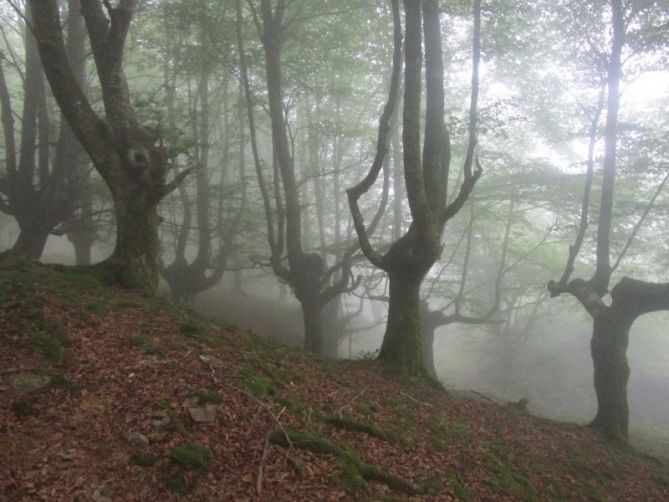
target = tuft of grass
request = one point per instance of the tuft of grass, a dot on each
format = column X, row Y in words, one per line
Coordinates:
column 177, row 483
column 192, row 329
column 144, row 459
column 193, row 457
column 147, row 345
column 205, row 396
column 254, row 385
column 506, row 480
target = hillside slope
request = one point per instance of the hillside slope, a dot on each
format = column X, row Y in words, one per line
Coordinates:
column 108, row 395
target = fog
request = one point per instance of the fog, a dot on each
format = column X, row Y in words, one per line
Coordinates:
column 504, row 230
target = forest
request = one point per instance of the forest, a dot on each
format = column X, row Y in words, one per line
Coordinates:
column 238, row 235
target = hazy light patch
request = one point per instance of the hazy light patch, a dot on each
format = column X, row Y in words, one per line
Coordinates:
column 647, row 89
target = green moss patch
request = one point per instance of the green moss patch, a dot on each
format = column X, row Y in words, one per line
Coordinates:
column 193, row 456
column 355, row 472
column 353, row 425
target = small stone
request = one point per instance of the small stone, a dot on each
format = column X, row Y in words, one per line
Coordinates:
column 137, row 439
column 25, row 383
column 159, row 420
column 202, row 414
column 69, row 454
column 99, row 496
column 212, row 362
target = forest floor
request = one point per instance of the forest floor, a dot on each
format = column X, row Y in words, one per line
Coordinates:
column 108, row 395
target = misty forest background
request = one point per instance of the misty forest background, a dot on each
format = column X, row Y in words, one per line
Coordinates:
column 262, row 115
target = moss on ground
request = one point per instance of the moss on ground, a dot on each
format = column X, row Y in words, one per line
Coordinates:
column 350, row 424
column 355, row 472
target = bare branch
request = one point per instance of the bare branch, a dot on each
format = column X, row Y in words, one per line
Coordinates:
column 639, row 223
column 383, row 139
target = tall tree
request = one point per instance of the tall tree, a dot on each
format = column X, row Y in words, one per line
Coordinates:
column 313, row 282
column 410, row 257
column 130, row 157
column 630, row 298
column 187, row 280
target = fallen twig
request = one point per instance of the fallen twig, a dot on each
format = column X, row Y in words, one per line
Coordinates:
column 485, row 397
column 261, row 466
column 340, row 411
column 416, row 400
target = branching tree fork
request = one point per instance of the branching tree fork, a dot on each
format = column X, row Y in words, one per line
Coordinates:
column 410, row 257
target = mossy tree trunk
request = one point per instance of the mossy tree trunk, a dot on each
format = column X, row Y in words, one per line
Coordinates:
column 136, row 256
column 425, row 173
column 402, row 339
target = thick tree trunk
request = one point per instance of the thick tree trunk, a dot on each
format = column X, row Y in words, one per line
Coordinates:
column 31, row 241
column 313, row 327
column 402, row 341
column 609, row 343
column 136, row 257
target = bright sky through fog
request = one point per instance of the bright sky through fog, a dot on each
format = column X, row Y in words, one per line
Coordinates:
column 646, row 89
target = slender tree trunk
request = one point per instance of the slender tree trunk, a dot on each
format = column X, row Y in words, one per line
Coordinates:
column 401, row 342
column 608, row 346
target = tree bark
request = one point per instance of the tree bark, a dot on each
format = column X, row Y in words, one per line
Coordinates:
column 427, row 345
column 313, row 327
column 610, row 337
column 31, row 240
column 82, row 242
column 129, row 157
column 401, row 342
column 136, row 258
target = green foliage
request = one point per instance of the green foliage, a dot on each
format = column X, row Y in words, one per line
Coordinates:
column 254, row 385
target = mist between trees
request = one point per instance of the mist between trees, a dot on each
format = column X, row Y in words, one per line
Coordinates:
column 474, row 191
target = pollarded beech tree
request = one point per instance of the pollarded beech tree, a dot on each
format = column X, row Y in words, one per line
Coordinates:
column 410, row 257
column 630, row 298
column 130, row 157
